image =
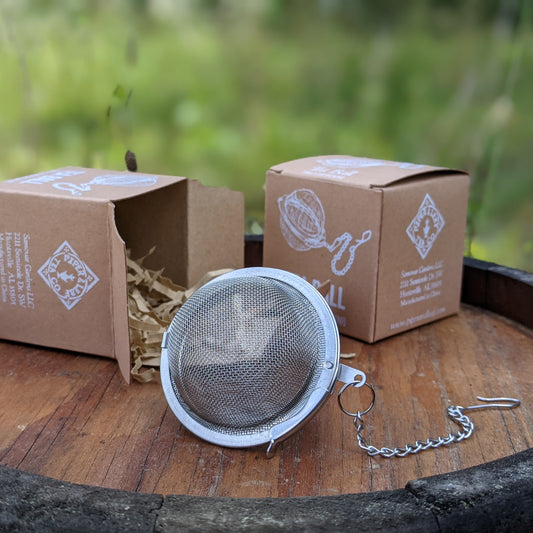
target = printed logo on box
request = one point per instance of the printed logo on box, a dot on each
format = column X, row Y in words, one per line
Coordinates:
column 425, row 227
column 303, row 224
column 56, row 177
column 344, row 167
column 109, row 180
column 68, row 275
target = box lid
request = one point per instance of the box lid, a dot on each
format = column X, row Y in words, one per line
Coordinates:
column 357, row 171
column 88, row 183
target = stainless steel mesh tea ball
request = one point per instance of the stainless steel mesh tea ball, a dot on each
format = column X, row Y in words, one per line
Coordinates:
column 250, row 357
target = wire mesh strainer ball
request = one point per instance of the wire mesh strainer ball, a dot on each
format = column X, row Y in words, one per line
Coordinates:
column 246, row 353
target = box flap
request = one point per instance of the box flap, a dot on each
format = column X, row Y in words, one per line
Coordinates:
column 214, row 217
column 119, row 297
column 357, row 171
column 88, row 183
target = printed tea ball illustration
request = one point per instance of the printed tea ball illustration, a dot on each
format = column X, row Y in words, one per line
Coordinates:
column 302, row 219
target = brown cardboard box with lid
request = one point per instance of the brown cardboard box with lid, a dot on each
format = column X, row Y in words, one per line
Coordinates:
column 387, row 236
column 63, row 240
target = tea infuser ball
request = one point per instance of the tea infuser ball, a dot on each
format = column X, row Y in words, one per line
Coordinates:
column 250, row 356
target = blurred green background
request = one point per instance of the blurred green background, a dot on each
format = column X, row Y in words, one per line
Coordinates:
column 219, row 90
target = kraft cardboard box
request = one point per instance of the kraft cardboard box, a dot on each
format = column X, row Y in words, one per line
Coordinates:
column 388, row 236
column 63, row 240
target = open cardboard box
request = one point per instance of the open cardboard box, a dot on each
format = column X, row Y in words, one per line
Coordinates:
column 63, row 240
column 387, row 236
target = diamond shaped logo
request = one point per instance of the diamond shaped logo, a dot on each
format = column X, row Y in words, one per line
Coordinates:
column 68, row 275
column 425, row 227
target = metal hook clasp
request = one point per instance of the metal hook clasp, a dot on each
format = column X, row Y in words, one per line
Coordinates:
column 510, row 403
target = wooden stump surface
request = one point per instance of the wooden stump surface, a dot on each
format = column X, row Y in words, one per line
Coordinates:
column 72, row 417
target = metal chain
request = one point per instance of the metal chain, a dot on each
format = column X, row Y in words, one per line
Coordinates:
column 454, row 412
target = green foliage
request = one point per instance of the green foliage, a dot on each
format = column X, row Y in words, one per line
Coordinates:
column 221, row 90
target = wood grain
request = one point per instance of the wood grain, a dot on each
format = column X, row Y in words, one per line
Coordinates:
column 73, row 418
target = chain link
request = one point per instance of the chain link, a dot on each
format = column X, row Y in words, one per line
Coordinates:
column 454, row 412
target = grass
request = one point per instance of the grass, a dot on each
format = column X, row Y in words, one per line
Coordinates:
column 222, row 92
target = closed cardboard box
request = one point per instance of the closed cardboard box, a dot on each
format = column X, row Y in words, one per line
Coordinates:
column 387, row 236
column 63, row 240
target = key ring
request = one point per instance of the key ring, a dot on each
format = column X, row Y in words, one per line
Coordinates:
column 356, row 384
